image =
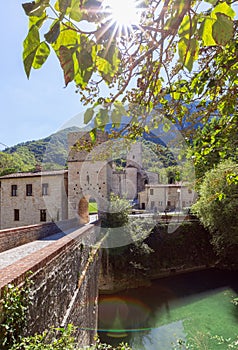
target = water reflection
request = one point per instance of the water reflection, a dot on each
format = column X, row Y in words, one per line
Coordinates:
column 156, row 317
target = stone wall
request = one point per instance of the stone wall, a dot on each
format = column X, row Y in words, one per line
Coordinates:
column 164, row 252
column 14, row 237
column 65, row 288
column 88, row 172
column 53, row 203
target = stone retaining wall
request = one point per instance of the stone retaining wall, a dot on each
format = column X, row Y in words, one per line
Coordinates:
column 14, row 237
column 65, row 288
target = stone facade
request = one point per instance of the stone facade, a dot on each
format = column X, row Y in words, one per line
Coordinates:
column 88, row 174
column 32, row 198
column 93, row 173
column 159, row 197
column 65, row 288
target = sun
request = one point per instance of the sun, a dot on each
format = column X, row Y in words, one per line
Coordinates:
column 125, row 13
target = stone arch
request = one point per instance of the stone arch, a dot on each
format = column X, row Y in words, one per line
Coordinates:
column 83, row 210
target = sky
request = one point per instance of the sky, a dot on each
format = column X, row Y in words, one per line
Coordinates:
column 35, row 108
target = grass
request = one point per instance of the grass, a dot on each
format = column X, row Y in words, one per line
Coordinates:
column 93, row 207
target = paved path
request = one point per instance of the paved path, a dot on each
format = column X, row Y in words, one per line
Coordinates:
column 12, row 255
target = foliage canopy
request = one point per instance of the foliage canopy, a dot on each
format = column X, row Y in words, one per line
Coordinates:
column 217, row 208
column 179, row 51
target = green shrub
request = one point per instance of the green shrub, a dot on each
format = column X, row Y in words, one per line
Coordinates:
column 60, row 339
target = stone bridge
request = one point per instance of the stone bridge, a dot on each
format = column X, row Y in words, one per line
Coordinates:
column 64, row 264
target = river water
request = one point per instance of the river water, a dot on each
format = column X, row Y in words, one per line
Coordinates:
column 192, row 307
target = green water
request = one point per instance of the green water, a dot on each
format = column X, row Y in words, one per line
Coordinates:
column 192, row 307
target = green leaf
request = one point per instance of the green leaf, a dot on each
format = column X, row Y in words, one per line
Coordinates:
column 84, row 59
column 102, row 118
column 93, row 135
column 63, row 5
column 37, row 21
column 53, row 33
column 121, row 109
column 75, row 12
column 30, row 46
column 83, row 64
column 225, row 9
column 41, row 55
column 88, row 115
column 36, row 8
column 188, row 52
column 213, row 2
column 67, row 63
column 67, row 37
column 188, row 27
column 205, row 32
column 222, row 29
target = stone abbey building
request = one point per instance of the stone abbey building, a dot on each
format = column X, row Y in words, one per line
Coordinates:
column 93, row 173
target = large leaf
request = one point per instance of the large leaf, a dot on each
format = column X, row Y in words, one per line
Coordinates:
column 225, row 9
column 118, row 112
column 37, row 21
column 68, row 37
column 30, row 46
column 188, row 52
column 205, row 32
column 35, row 53
column 63, row 5
column 35, row 8
column 41, row 55
column 88, row 115
column 75, row 12
column 222, row 29
column 67, row 63
column 83, row 64
column 53, row 33
column 102, row 118
column 188, row 27
column 213, row 2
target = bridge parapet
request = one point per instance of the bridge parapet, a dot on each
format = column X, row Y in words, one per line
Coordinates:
column 65, row 288
column 14, row 237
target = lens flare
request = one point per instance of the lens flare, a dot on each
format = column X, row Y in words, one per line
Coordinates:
column 125, row 13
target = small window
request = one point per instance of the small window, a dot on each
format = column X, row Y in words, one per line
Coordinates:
column 44, row 189
column 151, row 191
column 160, row 203
column 169, row 204
column 43, row 215
column 16, row 214
column 29, row 190
column 152, row 205
column 14, row 190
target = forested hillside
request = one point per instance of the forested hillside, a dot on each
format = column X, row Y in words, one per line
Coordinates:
column 50, row 151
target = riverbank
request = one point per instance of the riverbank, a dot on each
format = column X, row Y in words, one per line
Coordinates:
column 160, row 254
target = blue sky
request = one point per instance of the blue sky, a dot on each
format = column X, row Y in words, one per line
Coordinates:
column 34, row 108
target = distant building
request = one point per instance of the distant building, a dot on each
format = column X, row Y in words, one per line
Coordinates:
column 170, row 197
column 41, row 196
column 32, row 198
